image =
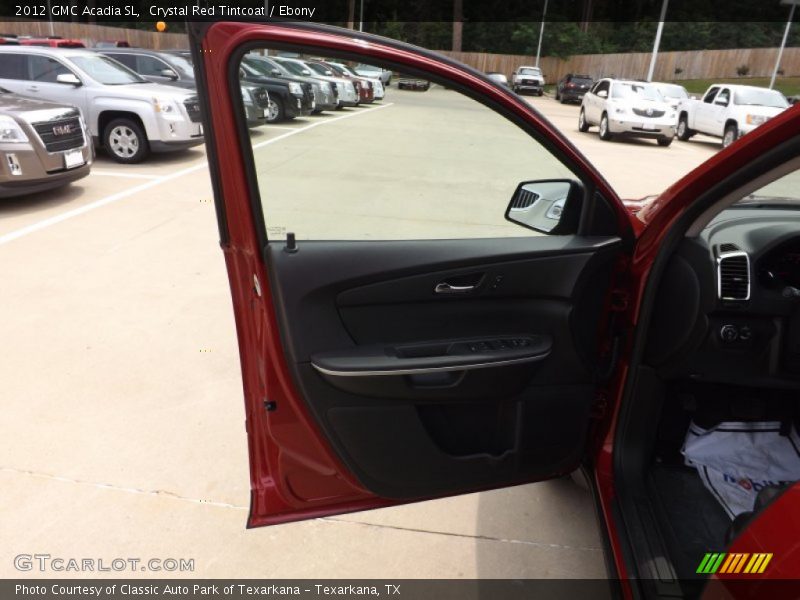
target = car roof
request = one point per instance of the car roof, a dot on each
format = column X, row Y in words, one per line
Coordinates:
column 48, row 51
column 738, row 86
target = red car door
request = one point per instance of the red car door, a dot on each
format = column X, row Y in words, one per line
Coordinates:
column 383, row 372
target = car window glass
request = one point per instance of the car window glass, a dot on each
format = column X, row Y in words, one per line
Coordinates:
column 106, row 71
column 45, row 69
column 723, row 97
column 149, row 65
column 709, row 97
column 13, row 66
column 129, row 60
column 432, row 164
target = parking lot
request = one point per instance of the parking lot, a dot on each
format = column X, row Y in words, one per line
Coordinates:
column 123, row 433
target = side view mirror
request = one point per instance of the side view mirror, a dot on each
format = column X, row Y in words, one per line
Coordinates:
column 168, row 73
column 548, row 206
column 69, row 79
column 329, row 73
column 275, row 73
column 602, row 94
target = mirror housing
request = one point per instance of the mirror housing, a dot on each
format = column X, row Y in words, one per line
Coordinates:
column 275, row 73
column 68, row 79
column 549, row 206
column 602, row 94
column 169, row 73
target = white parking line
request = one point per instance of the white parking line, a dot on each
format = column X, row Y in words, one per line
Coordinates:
column 60, row 218
column 128, row 175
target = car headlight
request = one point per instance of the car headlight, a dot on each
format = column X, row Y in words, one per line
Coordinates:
column 295, row 89
column 165, row 106
column 756, row 119
column 11, row 132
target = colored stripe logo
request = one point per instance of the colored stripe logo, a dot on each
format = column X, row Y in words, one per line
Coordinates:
column 745, row 563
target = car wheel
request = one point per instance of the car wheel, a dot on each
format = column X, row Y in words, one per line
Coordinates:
column 684, row 133
column 125, row 141
column 583, row 124
column 731, row 133
column 275, row 110
column 664, row 141
column 605, row 134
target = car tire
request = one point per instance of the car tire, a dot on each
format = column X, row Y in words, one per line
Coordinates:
column 730, row 135
column 583, row 124
column 275, row 111
column 684, row 133
column 605, row 133
column 664, row 141
column 125, row 141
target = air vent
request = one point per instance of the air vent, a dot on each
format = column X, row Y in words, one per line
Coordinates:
column 524, row 200
column 733, row 276
column 728, row 248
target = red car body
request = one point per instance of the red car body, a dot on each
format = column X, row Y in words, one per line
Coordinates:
column 284, row 443
column 52, row 42
column 366, row 94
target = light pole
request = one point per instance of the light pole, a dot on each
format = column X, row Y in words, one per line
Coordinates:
column 793, row 3
column 657, row 42
column 541, row 34
column 361, row 17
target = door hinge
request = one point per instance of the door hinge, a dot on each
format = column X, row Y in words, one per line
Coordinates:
column 599, row 407
column 619, row 300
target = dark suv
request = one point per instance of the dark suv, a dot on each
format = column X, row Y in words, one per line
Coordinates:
column 572, row 87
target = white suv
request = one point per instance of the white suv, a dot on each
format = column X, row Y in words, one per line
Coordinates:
column 628, row 108
column 125, row 113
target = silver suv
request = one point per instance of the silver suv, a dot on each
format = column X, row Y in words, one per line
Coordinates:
column 126, row 114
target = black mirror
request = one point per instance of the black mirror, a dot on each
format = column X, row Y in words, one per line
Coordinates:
column 169, row 73
column 68, row 78
column 549, row 206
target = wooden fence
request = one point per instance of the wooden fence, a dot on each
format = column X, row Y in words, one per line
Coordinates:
column 90, row 33
column 702, row 64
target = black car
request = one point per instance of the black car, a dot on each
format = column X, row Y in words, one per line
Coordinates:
column 572, row 87
column 172, row 68
column 288, row 97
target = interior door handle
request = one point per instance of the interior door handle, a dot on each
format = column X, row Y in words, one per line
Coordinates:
column 446, row 288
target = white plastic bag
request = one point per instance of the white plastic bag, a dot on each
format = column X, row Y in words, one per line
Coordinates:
column 736, row 460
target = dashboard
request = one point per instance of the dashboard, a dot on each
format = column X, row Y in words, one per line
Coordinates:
column 728, row 306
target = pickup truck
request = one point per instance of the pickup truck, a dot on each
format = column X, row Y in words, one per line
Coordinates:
column 728, row 111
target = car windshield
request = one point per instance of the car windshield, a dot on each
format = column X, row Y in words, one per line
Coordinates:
column 757, row 97
column 781, row 193
column 180, row 64
column 530, row 71
column 343, row 69
column 633, row 90
column 673, row 91
column 264, row 66
column 318, row 68
column 295, row 68
column 105, row 70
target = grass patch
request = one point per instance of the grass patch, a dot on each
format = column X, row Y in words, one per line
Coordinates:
column 789, row 86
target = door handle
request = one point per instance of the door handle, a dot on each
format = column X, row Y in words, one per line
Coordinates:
column 446, row 288
column 32, row 88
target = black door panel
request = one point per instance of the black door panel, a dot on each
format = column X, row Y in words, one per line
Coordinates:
column 423, row 390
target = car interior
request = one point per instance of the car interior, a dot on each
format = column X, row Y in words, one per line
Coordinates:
column 722, row 346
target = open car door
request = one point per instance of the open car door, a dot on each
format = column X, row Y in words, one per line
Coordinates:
column 410, row 326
